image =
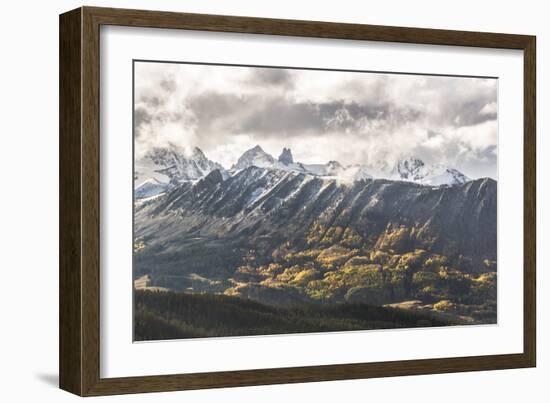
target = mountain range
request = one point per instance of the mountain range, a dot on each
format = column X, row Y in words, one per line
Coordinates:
column 164, row 168
column 284, row 233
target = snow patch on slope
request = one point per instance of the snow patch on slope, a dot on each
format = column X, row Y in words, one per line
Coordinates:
column 150, row 187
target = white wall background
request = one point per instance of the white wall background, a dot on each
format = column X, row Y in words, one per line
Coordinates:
column 29, row 198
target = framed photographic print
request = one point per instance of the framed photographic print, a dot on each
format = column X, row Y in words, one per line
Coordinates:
column 249, row 201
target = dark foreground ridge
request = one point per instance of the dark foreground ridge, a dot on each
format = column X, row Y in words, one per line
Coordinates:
column 169, row 315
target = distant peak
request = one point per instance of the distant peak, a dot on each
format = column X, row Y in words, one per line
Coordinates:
column 255, row 156
column 254, row 151
column 415, row 170
column 411, row 162
column 286, row 156
column 177, row 163
column 177, row 151
column 257, row 148
column 198, row 152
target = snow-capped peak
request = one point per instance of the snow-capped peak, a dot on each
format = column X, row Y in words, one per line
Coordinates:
column 333, row 169
column 415, row 170
column 257, row 157
column 441, row 175
column 165, row 167
column 174, row 164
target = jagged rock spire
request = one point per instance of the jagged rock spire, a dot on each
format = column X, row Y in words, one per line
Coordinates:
column 286, row 156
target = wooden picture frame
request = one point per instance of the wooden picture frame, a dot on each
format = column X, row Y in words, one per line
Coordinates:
column 79, row 346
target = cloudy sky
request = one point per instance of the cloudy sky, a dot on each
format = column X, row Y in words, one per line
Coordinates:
column 365, row 118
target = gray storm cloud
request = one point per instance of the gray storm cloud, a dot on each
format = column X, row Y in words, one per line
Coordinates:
column 366, row 118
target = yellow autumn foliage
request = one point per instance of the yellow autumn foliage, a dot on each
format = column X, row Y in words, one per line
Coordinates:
column 394, row 239
column 336, row 255
column 444, row 306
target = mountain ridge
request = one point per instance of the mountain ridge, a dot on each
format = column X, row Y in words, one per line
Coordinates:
column 173, row 165
column 282, row 238
column 289, row 201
